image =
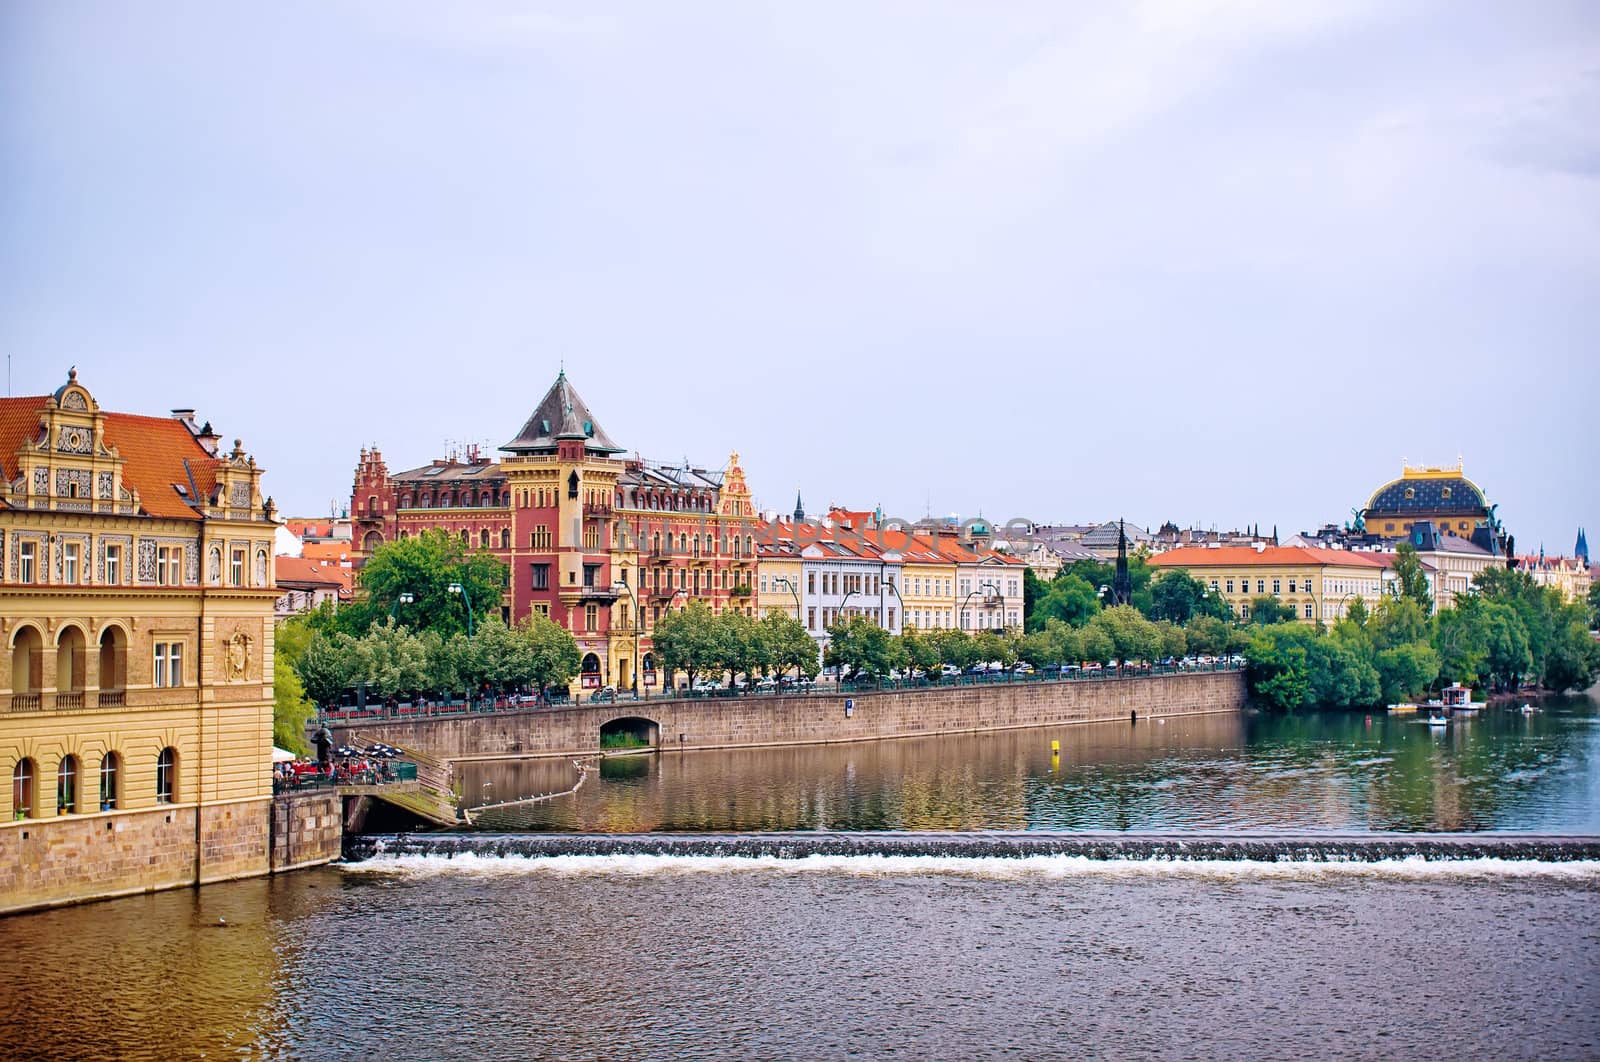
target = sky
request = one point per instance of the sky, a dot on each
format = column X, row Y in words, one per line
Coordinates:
column 1217, row 262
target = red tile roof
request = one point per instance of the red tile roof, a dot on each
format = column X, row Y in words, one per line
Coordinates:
column 155, row 451
column 1246, row 556
column 303, row 572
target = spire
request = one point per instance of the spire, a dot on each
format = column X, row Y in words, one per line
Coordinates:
column 1122, row 588
column 1581, row 550
column 799, row 509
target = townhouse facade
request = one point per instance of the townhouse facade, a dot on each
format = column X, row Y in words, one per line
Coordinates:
column 1318, row 584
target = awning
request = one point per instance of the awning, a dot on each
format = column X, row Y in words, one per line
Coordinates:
column 282, row 755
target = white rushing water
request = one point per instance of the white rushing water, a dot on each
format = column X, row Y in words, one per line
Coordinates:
column 1035, row 867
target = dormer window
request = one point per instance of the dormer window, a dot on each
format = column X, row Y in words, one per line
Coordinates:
column 1446, row 492
column 1411, row 492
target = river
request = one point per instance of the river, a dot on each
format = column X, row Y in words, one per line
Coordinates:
column 1040, row 956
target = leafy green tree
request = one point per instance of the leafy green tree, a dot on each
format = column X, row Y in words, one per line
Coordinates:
column 551, row 653
column 1068, row 598
column 1397, row 621
column 1279, row 673
column 689, row 640
column 329, row 666
column 1573, row 659
column 1096, row 645
column 1056, row 644
column 789, row 646
column 1594, row 605
column 1357, row 611
column 1132, row 636
column 291, row 709
column 922, row 649
column 1460, row 638
column 396, row 661
column 992, row 647
column 1406, row 670
column 1410, row 577
column 1174, row 643
column 859, row 646
column 1207, row 635
column 1506, row 657
column 744, row 647
column 1342, row 673
column 1267, row 610
column 956, row 646
column 1178, row 597
column 424, row 567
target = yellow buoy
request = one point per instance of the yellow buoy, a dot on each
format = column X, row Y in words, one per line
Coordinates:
column 1055, row 746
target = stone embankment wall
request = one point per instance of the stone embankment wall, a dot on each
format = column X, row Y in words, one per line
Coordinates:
column 65, row 859
column 743, row 722
column 307, row 829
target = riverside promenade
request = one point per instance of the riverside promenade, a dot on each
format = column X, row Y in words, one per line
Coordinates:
column 684, row 724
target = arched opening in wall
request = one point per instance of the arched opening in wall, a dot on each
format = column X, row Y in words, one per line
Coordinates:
column 167, row 776
column 505, row 539
column 372, row 541
column 572, row 485
column 590, row 667
column 27, row 668
column 67, row 786
column 70, row 677
column 22, row 789
column 110, row 776
column 113, row 666
column 483, row 539
column 629, row 733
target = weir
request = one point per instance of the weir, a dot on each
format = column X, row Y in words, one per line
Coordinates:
column 1195, row 846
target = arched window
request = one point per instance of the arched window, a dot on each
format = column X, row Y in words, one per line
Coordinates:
column 505, row 538
column 167, row 775
column 67, row 786
column 371, row 541
column 572, row 485
column 591, row 664
column 108, row 782
column 405, row 501
column 466, row 540
column 113, row 665
column 22, row 789
column 214, row 566
column 483, row 539
column 27, row 667
column 372, row 503
column 70, row 678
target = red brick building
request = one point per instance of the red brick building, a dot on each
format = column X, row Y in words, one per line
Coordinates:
column 600, row 542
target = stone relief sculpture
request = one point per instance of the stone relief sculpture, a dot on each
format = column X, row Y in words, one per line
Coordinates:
column 236, row 655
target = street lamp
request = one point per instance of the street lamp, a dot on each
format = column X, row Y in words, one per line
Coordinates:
column 457, row 588
column 961, row 617
column 405, row 598
column 994, row 591
column 794, row 590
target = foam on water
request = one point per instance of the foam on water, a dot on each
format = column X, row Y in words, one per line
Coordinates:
column 1021, row 868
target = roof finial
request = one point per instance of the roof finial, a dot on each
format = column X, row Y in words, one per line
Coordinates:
column 72, row 374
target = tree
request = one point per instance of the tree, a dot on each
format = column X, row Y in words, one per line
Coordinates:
column 992, row 647
column 1357, row 612
column 396, row 661
column 922, row 649
column 1177, row 596
column 1397, row 621
column 1341, row 672
column 1279, row 674
column 1410, row 578
column 1573, row 659
column 291, row 710
column 1594, row 605
column 688, row 640
column 1069, row 598
column 1459, row 637
column 955, row 646
column 1406, row 670
column 1267, row 610
column 858, row 645
column 744, row 647
column 1506, row 656
column 329, row 666
column 425, row 567
column 1132, row 636
column 1208, row 635
column 1174, row 643
column 552, row 655
column 1056, row 644
column 788, row 644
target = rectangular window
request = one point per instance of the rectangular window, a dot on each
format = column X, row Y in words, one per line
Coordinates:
column 113, row 565
column 591, row 617
column 69, row 563
column 541, row 576
column 168, row 565
column 1230, row 586
column 236, row 568
column 1275, row 584
column 1308, row 612
column 1291, row 586
column 1261, row 586
column 27, row 563
column 1213, row 586
column 811, row 619
column 590, row 573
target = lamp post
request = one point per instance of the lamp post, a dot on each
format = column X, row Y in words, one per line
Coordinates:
column 405, row 598
column 457, row 588
column 961, row 617
column 794, row 591
column 994, row 590
column 634, row 674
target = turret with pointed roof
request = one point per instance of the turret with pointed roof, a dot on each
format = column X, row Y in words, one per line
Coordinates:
column 799, row 509
column 1581, row 550
column 561, row 414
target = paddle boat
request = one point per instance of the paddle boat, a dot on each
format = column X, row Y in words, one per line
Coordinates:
column 1438, row 720
column 1403, row 707
column 1528, row 709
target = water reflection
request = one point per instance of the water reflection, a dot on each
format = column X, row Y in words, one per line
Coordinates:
column 1338, row 771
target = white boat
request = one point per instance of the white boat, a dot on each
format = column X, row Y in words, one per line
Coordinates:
column 1437, row 720
column 1528, row 709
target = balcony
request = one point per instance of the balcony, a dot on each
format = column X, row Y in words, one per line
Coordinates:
column 597, row 508
column 992, row 601
column 602, row 594
column 25, row 702
column 740, row 591
column 111, row 699
column 70, row 699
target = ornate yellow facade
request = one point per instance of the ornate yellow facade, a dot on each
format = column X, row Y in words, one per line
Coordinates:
column 136, row 683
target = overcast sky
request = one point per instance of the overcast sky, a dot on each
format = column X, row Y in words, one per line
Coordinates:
column 1214, row 262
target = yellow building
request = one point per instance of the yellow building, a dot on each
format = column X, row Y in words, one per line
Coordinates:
column 136, row 604
column 1316, row 583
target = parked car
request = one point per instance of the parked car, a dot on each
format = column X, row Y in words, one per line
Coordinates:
column 604, row 695
column 1022, row 667
column 1092, row 666
column 766, row 684
column 948, row 671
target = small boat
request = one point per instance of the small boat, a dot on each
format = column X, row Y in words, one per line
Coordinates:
column 1529, row 709
column 1402, row 707
column 1438, row 720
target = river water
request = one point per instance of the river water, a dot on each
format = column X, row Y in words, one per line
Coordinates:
column 901, row 956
